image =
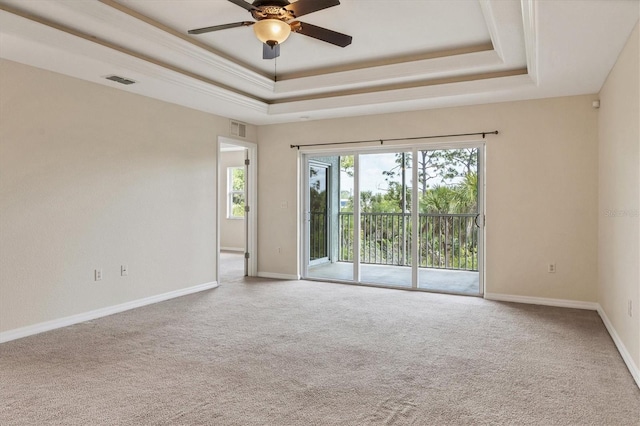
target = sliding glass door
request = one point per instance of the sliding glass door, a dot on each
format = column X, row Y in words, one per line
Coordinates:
column 449, row 220
column 385, row 218
column 405, row 218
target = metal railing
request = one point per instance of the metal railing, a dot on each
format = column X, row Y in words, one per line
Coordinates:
column 318, row 235
column 445, row 241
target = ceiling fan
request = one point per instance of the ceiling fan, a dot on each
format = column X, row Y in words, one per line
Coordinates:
column 276, row 19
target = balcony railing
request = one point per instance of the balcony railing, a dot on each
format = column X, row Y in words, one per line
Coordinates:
column 318, row 235
column 445, row 241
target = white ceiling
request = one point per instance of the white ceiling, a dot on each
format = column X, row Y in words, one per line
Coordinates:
column 426, row 26
column 405, row 55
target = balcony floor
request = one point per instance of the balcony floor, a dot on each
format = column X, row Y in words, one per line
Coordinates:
column 441, row 280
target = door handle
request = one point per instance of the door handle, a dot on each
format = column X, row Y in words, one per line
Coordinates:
column 475, row 220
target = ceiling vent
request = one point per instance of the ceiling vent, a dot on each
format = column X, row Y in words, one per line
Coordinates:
column 238, row 129
column 120, row 80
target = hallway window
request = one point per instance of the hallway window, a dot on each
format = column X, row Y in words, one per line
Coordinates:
column 235, row 190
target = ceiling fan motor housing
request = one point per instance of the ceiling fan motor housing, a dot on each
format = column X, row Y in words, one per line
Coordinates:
column 272, row 9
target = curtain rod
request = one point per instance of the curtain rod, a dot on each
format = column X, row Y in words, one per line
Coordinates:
column 495, row 132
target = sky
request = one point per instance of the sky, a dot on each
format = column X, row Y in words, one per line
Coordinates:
column 371, row 177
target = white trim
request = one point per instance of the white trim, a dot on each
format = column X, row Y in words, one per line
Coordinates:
column 433, row 68
column 124, row 22
column 493, row 27
column 239, row 249
column 626, row 356
column 576, row 304
column 415, row 218
column 562, row 303
column 433, row 93
column 30, row 330
column 278, row 276
column 251, row 180
column 530, row 27
column 303, row 207
column 356, row 217
column 482, row 210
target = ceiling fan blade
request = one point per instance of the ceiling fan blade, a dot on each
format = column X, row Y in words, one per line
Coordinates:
column 243, row 4
column 269, row 52
column 320, row 33
column 302, row 7
column 221, row 27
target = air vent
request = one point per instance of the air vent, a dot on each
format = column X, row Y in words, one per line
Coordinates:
column 120, row 80
column 238, row 129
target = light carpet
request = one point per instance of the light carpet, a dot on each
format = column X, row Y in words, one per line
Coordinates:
column 266, row 352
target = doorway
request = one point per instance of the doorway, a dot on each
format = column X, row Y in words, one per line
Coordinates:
column 236, row 237
column 407, row 218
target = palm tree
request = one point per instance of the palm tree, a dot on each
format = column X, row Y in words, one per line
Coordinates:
column 466, row 194
column 439, row 200
column 466, row 201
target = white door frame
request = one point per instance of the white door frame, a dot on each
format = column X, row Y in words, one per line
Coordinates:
column 252, row 201
column 329, row 207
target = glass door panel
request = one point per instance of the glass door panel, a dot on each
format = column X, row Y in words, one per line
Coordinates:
column 448, row 221
column 385, row 218
column 329, row 225
column 318, row 204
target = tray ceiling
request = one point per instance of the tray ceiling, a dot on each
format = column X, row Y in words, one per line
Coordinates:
column 415, row 55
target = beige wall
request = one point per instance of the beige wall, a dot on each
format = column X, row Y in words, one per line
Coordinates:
column 619, row 190
column 94, row 177
column 232, row 231
column 541, row 188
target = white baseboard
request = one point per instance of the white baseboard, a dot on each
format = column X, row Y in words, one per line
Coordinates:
column 562, row 303
column 239, row 249
column 29, row 330
column 278, row 276
column 576, row 304
column 626, row 356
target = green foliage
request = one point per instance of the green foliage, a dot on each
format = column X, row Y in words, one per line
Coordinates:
column 238, row 205
column 448, row 184
column 237, row 179
column 237, row 201
column 346, row 165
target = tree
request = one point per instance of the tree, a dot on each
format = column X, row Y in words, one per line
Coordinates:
column 346, row 165
column 466, row 194
column 445, row 164
column 237, row 192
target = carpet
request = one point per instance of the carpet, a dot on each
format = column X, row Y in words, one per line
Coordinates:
column 267, row 352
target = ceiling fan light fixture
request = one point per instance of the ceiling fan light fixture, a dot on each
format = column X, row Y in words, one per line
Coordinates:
column 272, row 31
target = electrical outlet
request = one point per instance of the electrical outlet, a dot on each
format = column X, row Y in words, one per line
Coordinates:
column 551, row 268
column 124, row 270
column 630, row 308
column 97, row 274
column 279, row 250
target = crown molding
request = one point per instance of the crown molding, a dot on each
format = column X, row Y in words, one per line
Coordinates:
column 530, row 28
column 492, row 26
column 426, row 69
column 49, row 37
column 172, row 40
column 422, row 93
